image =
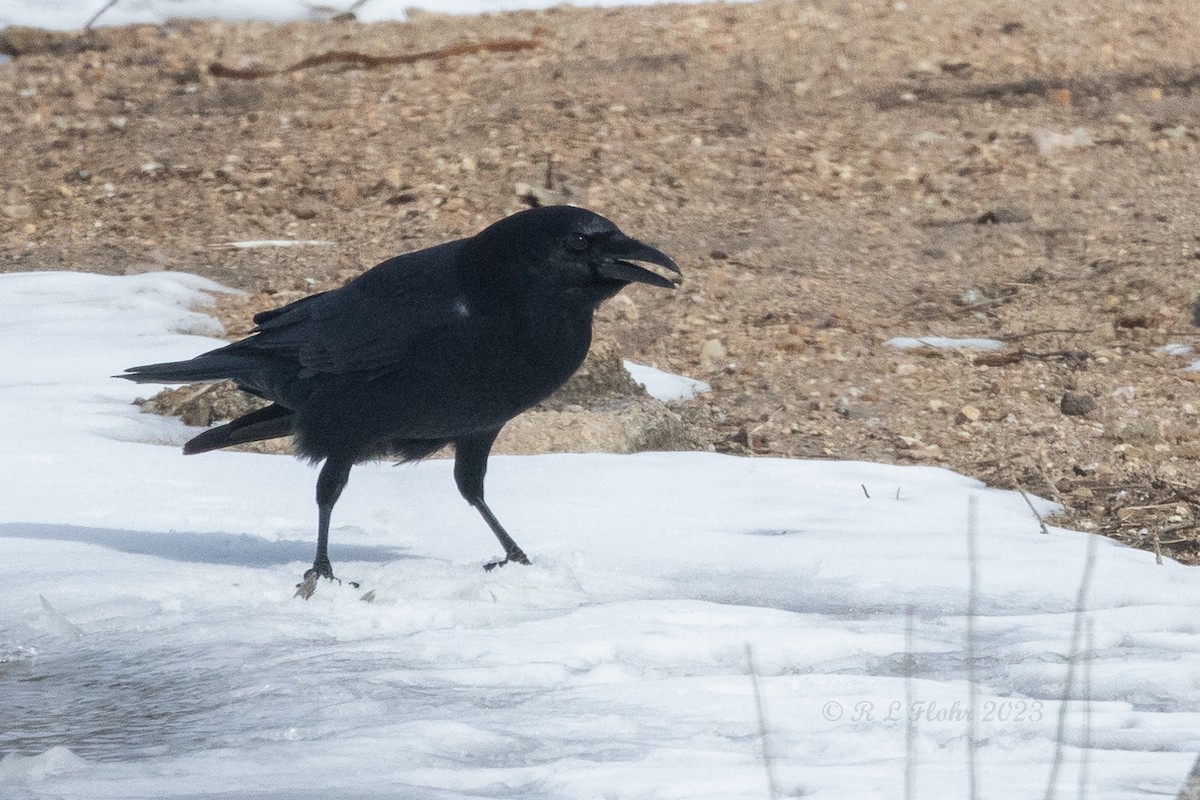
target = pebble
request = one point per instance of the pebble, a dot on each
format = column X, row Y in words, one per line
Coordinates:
column 538, row 194
column 1074, row 404
column 712, row 353
column 1049, row 142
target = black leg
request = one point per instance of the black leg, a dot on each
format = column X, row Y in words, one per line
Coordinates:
column 470, row 466
column 330, row 483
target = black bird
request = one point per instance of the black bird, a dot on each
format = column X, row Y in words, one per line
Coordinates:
column 441, row 346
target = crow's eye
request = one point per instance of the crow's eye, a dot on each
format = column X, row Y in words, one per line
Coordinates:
column 577, row 242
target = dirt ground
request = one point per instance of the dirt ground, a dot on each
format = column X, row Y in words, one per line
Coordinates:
column 829, row 175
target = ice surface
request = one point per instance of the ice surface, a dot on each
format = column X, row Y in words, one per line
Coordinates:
column 150, row 646
column 66, row 14
column 1175, row 349
column 942, row 342
column 665, row 386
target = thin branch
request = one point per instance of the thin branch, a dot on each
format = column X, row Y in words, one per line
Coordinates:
column 772, row 785
column 972, row 612
column 1085, row 583
column 1085, row 757
column 1016, row 337
column 1028, row 502
column 1054, row 493
column 367, row 61
column 96, row 16
column 910, row 719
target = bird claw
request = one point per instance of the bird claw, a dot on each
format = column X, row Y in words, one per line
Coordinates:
column 518, row 556
column 308, row 587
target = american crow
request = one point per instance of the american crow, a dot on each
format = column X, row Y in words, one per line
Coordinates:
column 441, row 346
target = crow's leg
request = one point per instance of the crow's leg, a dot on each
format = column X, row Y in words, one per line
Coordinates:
column 330, row 483
column 470, row 465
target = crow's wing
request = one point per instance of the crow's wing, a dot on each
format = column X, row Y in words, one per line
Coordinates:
column 401, row 308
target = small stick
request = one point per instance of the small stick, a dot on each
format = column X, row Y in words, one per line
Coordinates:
column 366, row 61
column 1053, row 489
column 772, row 786
column 910, row 719
column 1084, row 756
column 1014, row 337
column 96, row 16
column 1028, row 502
column 1085, row 582
column 203, row 390
column 972, row 672
column 864, row 488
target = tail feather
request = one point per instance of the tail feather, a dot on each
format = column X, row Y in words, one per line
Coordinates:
column 208, row 368
column 265, row 423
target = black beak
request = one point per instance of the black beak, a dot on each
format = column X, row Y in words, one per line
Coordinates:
column 617, row 253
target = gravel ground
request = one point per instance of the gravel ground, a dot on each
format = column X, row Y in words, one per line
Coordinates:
column 829, row 175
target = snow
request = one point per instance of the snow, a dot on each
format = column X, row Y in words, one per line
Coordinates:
column 665, row 386
column 944, row 343
column 150, row 645
column 67, row 14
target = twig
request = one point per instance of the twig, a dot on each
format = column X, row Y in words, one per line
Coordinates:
column 367, row 61
column 96, row 16
column 1016, row 337
column 972, row 612
column 1085, row 582
column 1028, row 502
column 910, row 719
column 864, row 488
column 1054, row 493
column 772, row 785
column 1078, row 355
column 1085, row 759
column 203, row 390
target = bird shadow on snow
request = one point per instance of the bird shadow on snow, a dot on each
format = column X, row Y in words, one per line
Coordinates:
column 231, row 549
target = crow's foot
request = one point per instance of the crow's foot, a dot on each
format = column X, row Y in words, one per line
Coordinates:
column 517, row 556
column 307, row 587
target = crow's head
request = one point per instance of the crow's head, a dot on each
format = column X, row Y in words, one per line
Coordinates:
column 574, row 251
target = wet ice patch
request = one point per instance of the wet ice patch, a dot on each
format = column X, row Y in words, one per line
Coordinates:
column 944, row 343
column 665, row 386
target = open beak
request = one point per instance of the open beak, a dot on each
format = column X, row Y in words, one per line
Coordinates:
column 617, row 263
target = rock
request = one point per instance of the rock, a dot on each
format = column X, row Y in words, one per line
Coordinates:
column 19, row 211
column 968, row 413
column 600, row 382
column 1074, row 404
column 712, row 354
column 306, row 208
column 1048, row 142
column 21, row 40
column 538, row 196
